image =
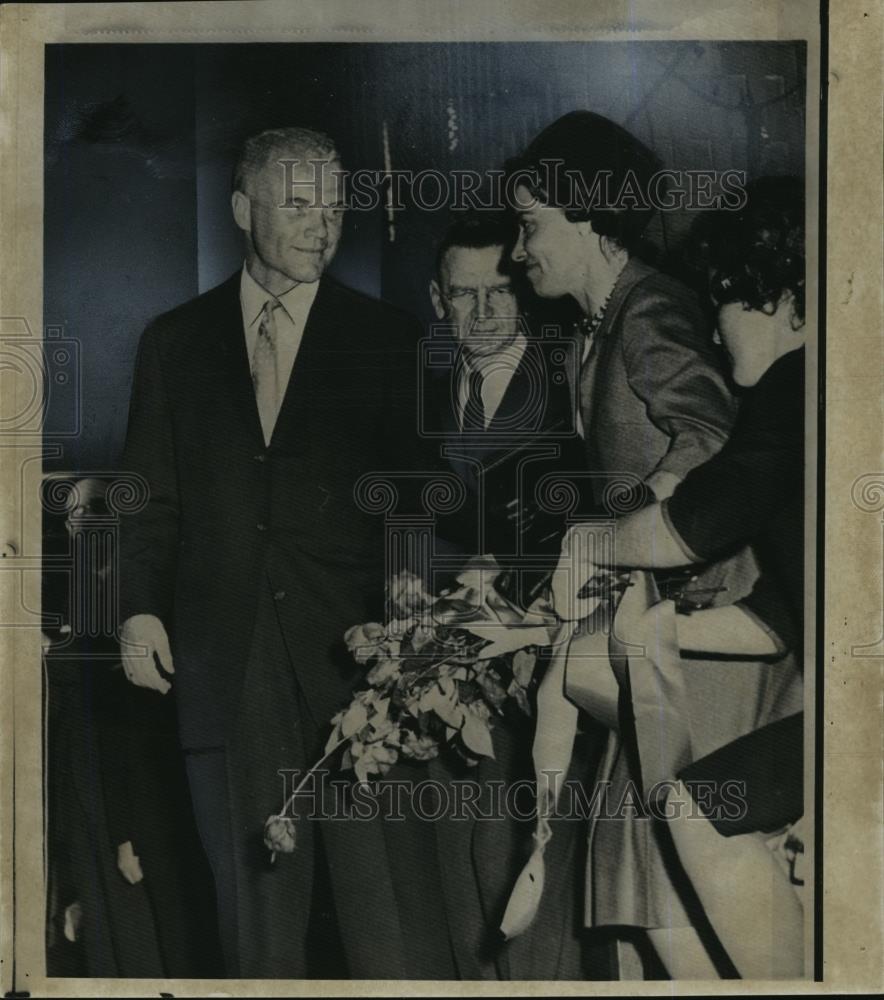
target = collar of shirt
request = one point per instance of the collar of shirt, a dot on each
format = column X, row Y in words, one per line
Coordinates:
column 290, row 320
column 500, row 369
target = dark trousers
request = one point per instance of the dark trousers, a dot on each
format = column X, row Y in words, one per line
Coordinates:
column 276, row 917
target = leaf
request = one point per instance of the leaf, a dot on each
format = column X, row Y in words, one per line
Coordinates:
column 491, row 687
column 524, row 661
column 383, row 673
column 379, row 730
column 477, row 736
column 464, row 756
column 441, row 698
column 421, row 636
column 447, row 686
column 455, row 671
column 430, row 698
column 354, row 719
column 450, row 711
column 346, row 760
column 510, row 639
column 520, row 696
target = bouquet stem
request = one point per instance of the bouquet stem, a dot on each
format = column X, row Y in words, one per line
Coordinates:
column 326, row 756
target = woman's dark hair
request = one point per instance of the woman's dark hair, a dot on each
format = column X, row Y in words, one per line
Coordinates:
column 593, row 169
column 756, row 254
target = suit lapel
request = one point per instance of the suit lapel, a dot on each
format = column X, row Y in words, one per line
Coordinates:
column 572, row 376
column 445, row 401
column 457, row 447
column 634, row 272
column 592, row 371
column 239, row 391
column 293, row 398
column 318, row 332
column 311, row 368
column 514, row 403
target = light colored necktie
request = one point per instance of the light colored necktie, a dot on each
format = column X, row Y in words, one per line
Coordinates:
column 265, row 374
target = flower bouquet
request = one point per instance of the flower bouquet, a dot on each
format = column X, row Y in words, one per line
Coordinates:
column 439, row 673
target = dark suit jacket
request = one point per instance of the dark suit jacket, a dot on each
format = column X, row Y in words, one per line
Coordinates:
column 753, row 491
column 227, row 515
column 531, row 437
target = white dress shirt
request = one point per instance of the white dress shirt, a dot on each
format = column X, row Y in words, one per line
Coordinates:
column 290, row 321
column 497, row 372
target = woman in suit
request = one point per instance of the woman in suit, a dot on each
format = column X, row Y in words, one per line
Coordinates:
column 743, row 858
column 653, row 402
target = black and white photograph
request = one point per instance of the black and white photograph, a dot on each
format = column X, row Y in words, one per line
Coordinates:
column 429, row 580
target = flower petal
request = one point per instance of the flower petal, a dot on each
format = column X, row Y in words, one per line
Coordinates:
column 477, row 736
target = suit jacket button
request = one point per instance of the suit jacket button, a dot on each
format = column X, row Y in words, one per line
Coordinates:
column 260, row 458
column 261, row 526
column 279, row 595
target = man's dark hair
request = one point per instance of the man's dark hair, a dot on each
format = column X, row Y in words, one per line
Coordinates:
column 583, row 150
column 755, row 255
column 477, row 230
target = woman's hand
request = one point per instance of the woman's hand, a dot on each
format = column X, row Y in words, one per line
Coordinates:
column 579, row 561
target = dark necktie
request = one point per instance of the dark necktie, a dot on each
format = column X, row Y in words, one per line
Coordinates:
column 474, row 411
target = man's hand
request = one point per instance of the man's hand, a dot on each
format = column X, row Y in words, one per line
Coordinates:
column 149, row 633
column 128, row 863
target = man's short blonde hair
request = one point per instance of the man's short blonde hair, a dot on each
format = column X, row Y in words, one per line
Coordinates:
column 258, row 151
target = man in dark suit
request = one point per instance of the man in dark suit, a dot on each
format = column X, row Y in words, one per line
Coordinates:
column 499, row 410
column 499, row 395
column 255, row 409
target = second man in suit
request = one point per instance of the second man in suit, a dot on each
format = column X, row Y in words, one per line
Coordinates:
column 499, row 410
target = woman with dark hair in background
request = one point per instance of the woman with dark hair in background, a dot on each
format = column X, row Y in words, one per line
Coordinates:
column 742, row 861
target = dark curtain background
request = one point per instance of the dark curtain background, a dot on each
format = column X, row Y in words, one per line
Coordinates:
column 140, row 141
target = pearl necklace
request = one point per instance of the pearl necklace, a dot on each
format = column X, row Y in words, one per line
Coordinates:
column 588, row 325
